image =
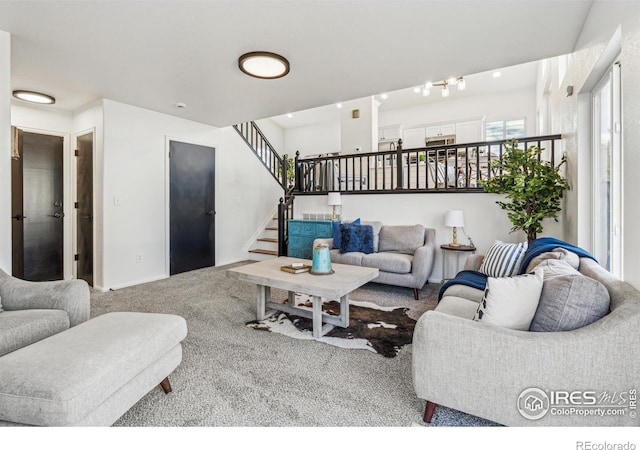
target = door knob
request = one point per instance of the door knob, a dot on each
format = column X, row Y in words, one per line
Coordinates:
column 88, row 217
column 57, row 215
column 19, row 217
column 211, row 213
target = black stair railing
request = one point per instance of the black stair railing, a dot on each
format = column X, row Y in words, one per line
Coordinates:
column 285, row 213
column 266, row 153
column 278, row 167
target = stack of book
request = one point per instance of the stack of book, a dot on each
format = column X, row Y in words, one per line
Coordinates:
column 296, row 268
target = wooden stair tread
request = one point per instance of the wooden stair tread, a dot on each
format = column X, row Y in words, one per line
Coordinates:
column 267, row 239
column 264, row 252
column 271, row 228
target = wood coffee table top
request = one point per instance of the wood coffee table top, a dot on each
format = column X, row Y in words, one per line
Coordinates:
column 344, row 280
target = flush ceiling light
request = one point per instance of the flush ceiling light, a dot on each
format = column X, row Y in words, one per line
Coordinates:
column 384, row 96
column 265, row 65
column 496, row 74
column 34, row 97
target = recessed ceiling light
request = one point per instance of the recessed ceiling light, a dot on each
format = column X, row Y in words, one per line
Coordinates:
column 181, row 105
column 339, row 105
column 290, row 116
column 265, row 65
column 417, row 90
column 496, row 74
column 384, row 96
column 34, row 97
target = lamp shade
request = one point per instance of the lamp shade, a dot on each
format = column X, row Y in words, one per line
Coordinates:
column 454, row 218
column 334, row 199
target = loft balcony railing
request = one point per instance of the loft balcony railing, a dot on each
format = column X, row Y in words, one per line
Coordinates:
column 447, row 168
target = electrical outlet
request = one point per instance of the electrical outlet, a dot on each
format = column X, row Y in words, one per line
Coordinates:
column 139, row 258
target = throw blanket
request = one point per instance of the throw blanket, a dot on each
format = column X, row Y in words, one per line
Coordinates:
column 547, row 244
column 470, row 278
column 542, row 245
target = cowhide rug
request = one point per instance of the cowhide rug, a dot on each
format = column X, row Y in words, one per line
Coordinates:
column 383, row 330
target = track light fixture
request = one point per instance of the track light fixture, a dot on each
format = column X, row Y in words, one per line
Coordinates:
column 459, row 82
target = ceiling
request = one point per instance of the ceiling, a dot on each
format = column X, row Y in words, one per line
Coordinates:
column 521, row 76
column 155, row 54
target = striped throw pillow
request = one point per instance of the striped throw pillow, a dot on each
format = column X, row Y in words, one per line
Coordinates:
column 503, row 260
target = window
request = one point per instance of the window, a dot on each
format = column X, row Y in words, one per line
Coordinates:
column 504, row 129
column 607, row 150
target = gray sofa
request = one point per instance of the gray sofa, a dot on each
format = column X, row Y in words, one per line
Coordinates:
column 403, row 254
column 58, row 368
column 484, row 370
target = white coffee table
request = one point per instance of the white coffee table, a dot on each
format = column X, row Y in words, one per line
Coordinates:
column 338, row 285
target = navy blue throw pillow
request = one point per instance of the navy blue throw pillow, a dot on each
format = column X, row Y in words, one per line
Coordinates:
column 356, row 238
column 336, row 231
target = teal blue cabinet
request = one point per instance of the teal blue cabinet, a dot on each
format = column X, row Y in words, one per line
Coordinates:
column 301, row 236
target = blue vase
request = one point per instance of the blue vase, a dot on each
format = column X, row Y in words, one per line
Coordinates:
column 321, row 264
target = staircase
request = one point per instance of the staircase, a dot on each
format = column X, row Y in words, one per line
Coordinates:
column 266, row 245
column 272, row 242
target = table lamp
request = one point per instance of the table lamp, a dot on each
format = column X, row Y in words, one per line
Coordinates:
column 334, row 200
column 454, row 219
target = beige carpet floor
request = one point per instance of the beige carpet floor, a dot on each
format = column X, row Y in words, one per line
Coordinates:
column 232, row 375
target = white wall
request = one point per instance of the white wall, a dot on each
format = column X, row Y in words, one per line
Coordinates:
column 485, row 221
column 503, row 106
column 274, row 134
column 360, row 133
column 5, row 151
column 246, row 196
column 329, row 137
column 135, row 171
column 570, row 116
column 313, row 139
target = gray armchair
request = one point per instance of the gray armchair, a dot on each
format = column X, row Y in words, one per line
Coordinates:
column 33, row 311
column 482, row 369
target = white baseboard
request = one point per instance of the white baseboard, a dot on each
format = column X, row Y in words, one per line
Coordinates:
column 134, row 283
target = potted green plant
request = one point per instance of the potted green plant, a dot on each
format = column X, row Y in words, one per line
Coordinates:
column 533, row 187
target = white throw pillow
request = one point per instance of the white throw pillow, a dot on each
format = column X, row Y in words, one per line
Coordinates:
column 503, row 260
column 511, row 302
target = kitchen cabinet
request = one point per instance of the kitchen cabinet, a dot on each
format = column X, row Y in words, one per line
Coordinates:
column 440, row 130
column 413, row 138
column 390, row 133
column 467, row 132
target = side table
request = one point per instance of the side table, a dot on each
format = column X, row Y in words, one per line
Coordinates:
column 457, row 249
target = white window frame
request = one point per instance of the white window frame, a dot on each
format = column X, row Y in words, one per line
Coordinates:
column 504, row 127
column 616, row 183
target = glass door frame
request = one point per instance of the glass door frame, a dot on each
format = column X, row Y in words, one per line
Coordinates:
column 615, row 236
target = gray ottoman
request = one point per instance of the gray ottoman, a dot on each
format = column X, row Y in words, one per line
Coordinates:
column 92, row 373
